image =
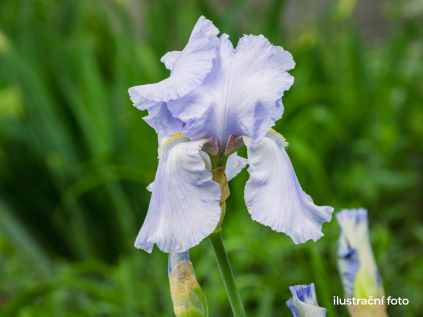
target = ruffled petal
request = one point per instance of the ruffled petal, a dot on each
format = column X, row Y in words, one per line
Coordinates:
column 202, row 108
column 169, row 59
column 274, row 196
column 357, row 265
column 260, row 79
column 304, row 302
column 184, row 206
column 241, row 95
column 234, row 166
column 160, row 118
column 189, row 69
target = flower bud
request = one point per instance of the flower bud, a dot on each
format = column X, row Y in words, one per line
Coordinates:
column 187, row 296
column 304, row 302
column 359, row 273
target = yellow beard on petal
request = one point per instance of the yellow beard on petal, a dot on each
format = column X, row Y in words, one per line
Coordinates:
column 173, row 138
column 280, row 136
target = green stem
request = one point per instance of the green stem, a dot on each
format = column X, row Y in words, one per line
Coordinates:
column 226, row 272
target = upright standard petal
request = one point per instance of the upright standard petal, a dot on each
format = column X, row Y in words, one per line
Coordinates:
column 189, row 69
column 184, row 206
column 241, row 95
column 169, row 59
column 160, row 118
column 304, row 302
column 274, row 196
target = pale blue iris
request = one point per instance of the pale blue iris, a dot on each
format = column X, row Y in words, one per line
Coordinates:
column 220, row 98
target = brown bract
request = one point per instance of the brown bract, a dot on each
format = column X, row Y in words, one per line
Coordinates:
column 219, row 177
column 182, row 282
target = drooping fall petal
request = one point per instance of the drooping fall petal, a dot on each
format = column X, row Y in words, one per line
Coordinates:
column 184, row 206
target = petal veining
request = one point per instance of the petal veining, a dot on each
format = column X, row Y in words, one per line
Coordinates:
column 169, row 59
column 241, row 95
column 189, row 69
column 184, row 206
column 273, row 194
column 160, row 118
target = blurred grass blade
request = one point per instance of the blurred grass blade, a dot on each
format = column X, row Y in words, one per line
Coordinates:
column 18, row 235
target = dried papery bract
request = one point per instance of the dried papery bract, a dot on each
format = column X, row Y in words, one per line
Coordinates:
column 187, row 297
column 219, row 176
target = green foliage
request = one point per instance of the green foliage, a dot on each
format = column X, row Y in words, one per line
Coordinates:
column 75, row 156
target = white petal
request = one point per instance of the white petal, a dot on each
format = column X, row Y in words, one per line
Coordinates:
column 160, row 118
column 169, row 59
column 189, row 68
column 234, row 165
column 260, row 79
column 273, row 194
column 184, row 206
column 241, row 95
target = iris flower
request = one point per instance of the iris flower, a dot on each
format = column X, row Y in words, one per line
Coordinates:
column 304, row 302
column 359, row 273
column 217, row 99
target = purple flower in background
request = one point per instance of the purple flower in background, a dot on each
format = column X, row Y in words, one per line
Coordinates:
column 216, row 100
column 304, row 302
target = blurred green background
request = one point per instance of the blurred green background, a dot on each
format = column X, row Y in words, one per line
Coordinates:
column 76, row 156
